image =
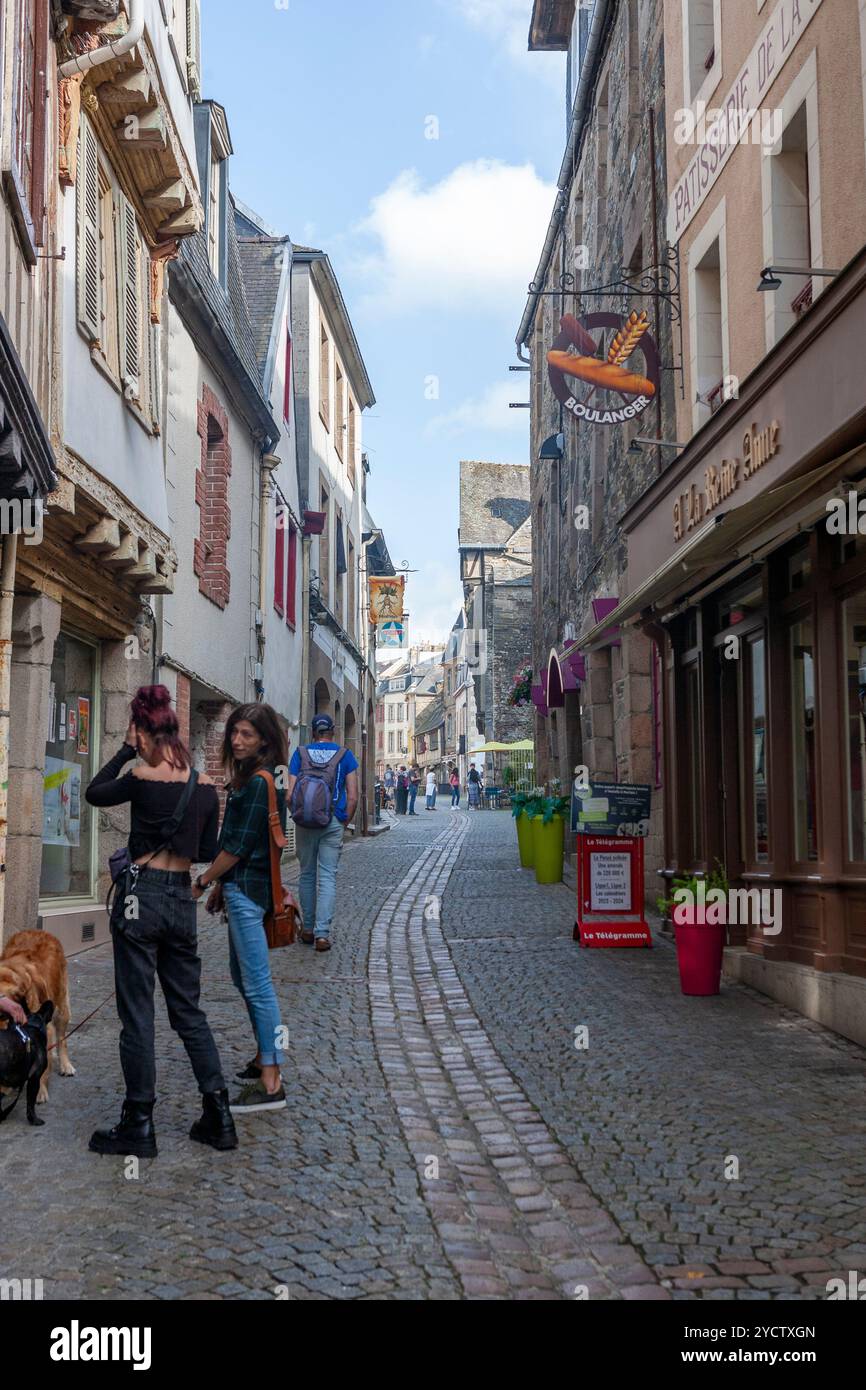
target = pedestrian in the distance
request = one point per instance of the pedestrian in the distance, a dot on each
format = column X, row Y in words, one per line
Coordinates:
column 254, row 741
column 414, row 784
column 173, row 823
column 431, row 791
column 454, row 780
column 402, row 791
column 389, row 788
column 323, row 795
column 474, row 788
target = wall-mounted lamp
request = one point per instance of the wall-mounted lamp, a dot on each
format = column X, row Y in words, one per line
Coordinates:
column 770, row 275
column 635, row 448
column 553, row 447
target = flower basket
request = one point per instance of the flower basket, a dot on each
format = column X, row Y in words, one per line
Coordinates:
column 521, row 690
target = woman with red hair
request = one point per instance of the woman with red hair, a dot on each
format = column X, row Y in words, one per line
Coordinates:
column 174, row 822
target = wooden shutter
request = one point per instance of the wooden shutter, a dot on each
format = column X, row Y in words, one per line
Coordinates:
column 280, row 562
column 129, row 295
column 292, row 580
column 154, row 343
column 89, row 283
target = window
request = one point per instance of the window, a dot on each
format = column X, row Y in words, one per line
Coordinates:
column 802, row 656
column 292, row 579
column 391, row 748
column 351, row 616
column 701, row 45
column 186, row 34
column 27, row 168
column 69, row 825
column 709, row 363
column 280, row 562
column 113, row 282
column 756, row 754
column 325, row 378
column 352, row 441
column 214, row 216
column 790, row 224
column 339, row 410
column 390, row 714
column 288, row 387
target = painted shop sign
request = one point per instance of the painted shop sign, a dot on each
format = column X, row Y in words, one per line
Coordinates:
column 576, row 356
column 723, row 479
column 730, row 124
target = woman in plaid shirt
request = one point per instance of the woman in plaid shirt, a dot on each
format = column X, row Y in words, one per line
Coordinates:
column 254, row 739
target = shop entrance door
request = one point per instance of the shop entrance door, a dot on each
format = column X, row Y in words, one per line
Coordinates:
column 730, row 762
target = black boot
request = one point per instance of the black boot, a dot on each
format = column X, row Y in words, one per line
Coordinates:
column 134, row 1135
column 216, row 1126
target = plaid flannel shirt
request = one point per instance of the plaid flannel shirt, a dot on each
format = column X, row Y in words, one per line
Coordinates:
column 245, row 833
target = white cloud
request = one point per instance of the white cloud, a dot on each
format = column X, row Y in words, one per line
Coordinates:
column 506, row 23
column 489, row 411
column 470, row 241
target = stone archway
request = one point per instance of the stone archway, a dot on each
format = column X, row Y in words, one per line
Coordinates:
column 350, row 730
column 322, row 698
column 338, row 721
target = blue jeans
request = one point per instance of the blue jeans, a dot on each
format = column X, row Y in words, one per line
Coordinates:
column 455, row 796
column 249, row 962
column 413, row 792
column 319, row 852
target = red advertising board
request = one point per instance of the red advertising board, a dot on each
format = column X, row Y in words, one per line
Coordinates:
column 610, row 909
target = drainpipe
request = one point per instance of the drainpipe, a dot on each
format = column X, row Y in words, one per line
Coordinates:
column 7, row 598
column 134, row 33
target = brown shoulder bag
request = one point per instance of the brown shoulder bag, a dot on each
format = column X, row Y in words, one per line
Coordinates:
column 281, row 922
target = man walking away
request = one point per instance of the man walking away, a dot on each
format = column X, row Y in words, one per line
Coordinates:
column 402, row 791
column 414, row 784
column 323, row 795
column 431, row 791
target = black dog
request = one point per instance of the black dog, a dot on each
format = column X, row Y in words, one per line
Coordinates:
column 24, row 1057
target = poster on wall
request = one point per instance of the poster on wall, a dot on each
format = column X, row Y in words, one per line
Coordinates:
column 61, row 803
column 597, row 377
column 611, row 808
column 386, row 598
column 72, row 722
column 83, row 742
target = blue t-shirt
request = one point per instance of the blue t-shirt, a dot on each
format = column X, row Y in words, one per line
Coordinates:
column 348, row 763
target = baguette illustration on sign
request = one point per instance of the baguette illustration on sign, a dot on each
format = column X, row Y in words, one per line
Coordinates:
column 575, row 354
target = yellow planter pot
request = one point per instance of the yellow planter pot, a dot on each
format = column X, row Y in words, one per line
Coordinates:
column 548, row 842
column 525, row 841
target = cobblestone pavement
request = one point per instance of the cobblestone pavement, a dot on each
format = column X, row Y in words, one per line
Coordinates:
column 668, row 1090
column 444, row 1138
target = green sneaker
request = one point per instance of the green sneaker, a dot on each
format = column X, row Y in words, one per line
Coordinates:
column 253, row 1097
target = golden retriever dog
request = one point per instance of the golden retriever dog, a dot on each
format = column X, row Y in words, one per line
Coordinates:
column 32, row 970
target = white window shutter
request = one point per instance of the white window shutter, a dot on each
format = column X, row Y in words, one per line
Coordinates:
column 155, row 378
column 90, row 292
column 193, row 48
column 129, row 296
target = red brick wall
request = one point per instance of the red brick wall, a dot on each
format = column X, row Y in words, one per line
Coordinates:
column 182, row 705
column 216, row 713
column 210, row 550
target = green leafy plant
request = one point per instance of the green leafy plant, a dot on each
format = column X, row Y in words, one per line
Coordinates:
column 527, row 803
column 554, row 806
column 508, row 776
column 717, row 878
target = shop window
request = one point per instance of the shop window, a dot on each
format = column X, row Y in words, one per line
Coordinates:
column 802, row 654
column 855, row 686
column 799, row 567
column 68, row 823
column 756, row 753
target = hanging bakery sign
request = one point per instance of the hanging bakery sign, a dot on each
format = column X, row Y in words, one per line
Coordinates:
column 596, row 378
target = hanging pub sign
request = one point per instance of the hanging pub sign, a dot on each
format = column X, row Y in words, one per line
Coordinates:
column 598, row 386
column 392, row 634
column 386, row 598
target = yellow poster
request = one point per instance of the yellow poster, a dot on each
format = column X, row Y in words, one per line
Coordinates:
column 386, row 598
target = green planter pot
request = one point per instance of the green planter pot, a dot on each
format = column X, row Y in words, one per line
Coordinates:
column 525, row 841
column 548, row 842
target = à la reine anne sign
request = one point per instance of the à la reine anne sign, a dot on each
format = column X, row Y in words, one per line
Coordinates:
column 722, row 128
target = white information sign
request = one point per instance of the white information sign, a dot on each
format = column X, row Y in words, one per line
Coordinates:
column 610, row 882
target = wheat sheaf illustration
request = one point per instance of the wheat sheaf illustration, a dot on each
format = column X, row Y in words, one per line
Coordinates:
column 627, row 339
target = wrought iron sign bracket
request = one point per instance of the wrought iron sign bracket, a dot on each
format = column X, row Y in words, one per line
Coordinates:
column 660, row 282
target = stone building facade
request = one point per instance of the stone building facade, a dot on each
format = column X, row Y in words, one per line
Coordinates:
column 595, row 701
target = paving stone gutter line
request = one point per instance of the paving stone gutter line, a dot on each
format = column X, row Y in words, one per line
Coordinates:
column 514, row 1217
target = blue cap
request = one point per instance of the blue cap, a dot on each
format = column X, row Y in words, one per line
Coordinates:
column 322, row 721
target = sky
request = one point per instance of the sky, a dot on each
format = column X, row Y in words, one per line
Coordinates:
column 418, row 143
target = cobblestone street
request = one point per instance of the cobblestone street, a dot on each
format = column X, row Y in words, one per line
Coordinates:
column 445, row 1138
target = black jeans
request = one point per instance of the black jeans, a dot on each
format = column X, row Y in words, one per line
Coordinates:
column 161, row 940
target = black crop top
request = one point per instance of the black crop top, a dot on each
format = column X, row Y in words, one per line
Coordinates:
column 153, row 803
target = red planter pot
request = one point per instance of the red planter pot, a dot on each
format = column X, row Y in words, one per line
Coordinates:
column 699, row 953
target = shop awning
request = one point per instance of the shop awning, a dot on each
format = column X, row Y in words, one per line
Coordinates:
column 749, row 530
column 525, row 745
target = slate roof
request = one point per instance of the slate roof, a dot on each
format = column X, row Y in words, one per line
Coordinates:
column 494, row 502
column 262, row 267
column 195, row 290
column 432, row 717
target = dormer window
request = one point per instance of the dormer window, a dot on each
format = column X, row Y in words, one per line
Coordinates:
column 214, row 216
column 214, row 146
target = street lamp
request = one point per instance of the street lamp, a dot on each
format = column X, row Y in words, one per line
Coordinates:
column 635, row 448
column 770, row 275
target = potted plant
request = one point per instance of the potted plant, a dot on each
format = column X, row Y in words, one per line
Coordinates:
column 524, row 806
column 548, row 833
column 699, row 928
column 521, row 689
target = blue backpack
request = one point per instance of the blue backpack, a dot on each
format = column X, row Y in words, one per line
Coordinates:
column 312, row 805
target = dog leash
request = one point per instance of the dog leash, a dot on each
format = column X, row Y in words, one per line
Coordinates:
column 82, row 1023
